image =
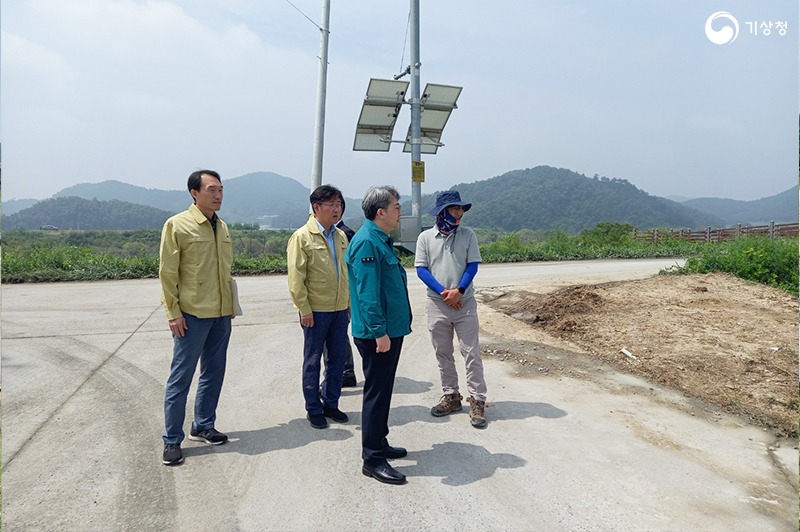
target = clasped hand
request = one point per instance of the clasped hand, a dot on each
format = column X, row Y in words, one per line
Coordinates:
column 452, row 298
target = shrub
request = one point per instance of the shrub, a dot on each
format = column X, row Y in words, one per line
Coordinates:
column 35, row 256
column 759, row 259
column 606, row 233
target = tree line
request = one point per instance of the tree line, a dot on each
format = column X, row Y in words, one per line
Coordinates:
column 86, row 214
column 541, row 198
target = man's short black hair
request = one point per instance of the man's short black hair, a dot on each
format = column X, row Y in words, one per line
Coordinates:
column 196, row 177
column 324, row 193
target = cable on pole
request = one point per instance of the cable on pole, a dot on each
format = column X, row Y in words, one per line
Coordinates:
column 405, row 41
column 307, row 17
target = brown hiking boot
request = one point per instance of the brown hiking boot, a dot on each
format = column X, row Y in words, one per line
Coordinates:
column 450, row 402
column 476, row 413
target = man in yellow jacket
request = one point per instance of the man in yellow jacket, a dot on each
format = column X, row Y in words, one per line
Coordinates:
column 195, row 271
column 315, row 258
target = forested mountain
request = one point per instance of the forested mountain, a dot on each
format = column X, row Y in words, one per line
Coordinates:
column 16, row 205
column 782, row 208
column 81, row 213
column 539, row 198
column 265, row 198
column 555, row 198
column 166, row 200
column 261, row 197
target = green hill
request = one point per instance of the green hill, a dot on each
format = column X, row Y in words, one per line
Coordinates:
column 539, row 198
column 81, row 213
column 16, row 205
column 555, row 198
column 262, row 197
column 167, row 200
column 781, row 208
column 265, row 198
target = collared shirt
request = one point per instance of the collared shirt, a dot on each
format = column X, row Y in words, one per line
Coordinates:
column 378, row 285
column 328, row 234
column 316, row 282
column 213, row 221
column 447, row 256
column 195, row 266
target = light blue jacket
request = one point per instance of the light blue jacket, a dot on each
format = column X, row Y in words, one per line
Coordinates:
column 378, row 286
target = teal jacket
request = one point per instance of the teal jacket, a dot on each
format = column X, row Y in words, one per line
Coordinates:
column 378, row 287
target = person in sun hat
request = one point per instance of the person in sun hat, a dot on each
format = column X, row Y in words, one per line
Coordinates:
column 446, row 260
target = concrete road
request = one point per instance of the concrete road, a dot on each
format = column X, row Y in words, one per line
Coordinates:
column 84, row 367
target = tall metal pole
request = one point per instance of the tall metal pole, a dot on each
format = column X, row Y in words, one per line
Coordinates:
column 322, row 87
column 416, row 140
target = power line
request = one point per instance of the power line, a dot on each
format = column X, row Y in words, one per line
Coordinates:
column 311, row 21
column 405, row 41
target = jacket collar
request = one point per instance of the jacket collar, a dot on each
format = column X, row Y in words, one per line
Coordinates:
column 312, row 225
column 378, row 232
column 197, row 214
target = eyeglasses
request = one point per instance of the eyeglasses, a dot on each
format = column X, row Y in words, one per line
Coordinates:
column 333, row 204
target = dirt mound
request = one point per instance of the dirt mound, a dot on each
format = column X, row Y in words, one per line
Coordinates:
column 714, row 337
column 557, row 313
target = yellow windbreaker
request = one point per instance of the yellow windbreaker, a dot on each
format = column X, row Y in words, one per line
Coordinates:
column 313, row 281
column 195, row 266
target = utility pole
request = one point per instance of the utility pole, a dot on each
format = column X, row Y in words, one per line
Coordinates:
column 378, row 115
column 416, row 140
column 322, row 87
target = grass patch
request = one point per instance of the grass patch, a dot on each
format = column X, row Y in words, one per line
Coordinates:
column 759, row 259
column 35, row 256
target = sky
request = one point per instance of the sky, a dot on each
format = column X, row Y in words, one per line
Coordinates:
column 147, row 91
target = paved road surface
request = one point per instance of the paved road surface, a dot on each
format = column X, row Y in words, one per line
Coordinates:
column 84, row 367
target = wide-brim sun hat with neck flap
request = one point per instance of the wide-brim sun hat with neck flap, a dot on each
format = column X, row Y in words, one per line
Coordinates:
column 446, row 199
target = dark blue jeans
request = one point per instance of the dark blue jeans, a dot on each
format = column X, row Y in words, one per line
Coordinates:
column 349, row 366
column 329, row 330
column 206, row 341
column 379, row 373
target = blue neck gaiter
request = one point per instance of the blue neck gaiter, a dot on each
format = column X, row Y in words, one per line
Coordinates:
column 446, row 222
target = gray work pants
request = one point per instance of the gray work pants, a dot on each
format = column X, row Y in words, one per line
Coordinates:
column 442, row 322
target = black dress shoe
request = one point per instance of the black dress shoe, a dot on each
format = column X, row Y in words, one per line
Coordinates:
column 393, row 452
column 335, row 414
column 317, row 421
column 349, row 380
column 383, row 473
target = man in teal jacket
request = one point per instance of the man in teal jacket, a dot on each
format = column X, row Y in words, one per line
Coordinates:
column 381, row 317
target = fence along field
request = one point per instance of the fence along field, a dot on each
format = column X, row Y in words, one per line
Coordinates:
column 708, row 234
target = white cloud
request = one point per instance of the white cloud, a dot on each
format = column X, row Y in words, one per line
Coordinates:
column 40, row 66
column 146, row 90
